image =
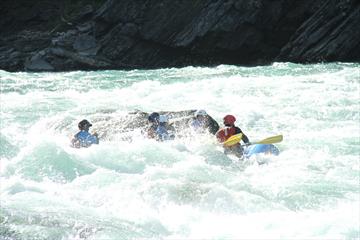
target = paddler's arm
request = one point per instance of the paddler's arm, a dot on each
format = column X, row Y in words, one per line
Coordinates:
column 244, row 137
column 75, row 141
column 96, row 136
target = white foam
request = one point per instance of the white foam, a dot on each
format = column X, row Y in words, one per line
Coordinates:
column 186, row 188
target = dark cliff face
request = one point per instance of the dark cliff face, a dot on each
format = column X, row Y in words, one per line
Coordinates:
column 48, row 35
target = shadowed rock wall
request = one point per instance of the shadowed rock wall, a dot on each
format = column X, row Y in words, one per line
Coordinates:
column 49, row 35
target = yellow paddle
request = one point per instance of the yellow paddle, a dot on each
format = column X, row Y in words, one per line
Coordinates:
column 233, row 140
column 237, row 138
column 269, row 140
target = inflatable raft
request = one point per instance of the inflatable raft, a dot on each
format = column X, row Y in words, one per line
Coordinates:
column 254, row 149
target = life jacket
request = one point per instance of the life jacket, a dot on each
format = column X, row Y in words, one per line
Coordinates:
column 85, row 139
column 198, row 126
column 164, row 134
column 224, row 133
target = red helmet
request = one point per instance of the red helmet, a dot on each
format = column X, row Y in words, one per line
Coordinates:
column 229, row 120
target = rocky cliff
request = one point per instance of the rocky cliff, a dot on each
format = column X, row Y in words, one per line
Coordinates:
column 66, row 35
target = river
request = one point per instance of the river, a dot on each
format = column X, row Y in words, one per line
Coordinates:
column 186, row 188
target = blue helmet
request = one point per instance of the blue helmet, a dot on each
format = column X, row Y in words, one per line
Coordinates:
column 200, row 113
column 154, row 117
column 163, row 119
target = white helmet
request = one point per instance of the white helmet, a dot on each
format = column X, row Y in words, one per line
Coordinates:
column 200, row 113
column 163, row 119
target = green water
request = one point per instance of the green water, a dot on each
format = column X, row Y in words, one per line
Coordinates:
column 187, row 188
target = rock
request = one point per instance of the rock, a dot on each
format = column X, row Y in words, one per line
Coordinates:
column 65, row 39
column 84, row 12
column 86, row 27
column 129, row 29
column 89, row 62
column 85, row 45
column 138, row 121
column 113, row 11
column 127, row 34
column 327, row 35
column 36, row 63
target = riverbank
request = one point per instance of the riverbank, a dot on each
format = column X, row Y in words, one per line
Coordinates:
column 126, row 34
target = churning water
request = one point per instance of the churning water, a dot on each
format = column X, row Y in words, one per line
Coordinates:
column 186, row 188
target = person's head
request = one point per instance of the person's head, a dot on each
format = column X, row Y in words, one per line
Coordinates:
column 154, row 117
column 200, row 114
column 163, row 119
column 229, row 120
column 84, row 125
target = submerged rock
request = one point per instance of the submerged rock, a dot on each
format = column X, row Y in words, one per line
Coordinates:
column 109, row 124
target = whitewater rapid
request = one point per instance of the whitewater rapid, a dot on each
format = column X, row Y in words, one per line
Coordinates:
column 187, row 188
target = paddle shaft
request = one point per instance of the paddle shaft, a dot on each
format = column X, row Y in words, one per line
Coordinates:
column 237, row 138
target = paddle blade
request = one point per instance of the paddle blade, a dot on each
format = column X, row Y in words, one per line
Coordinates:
column 233, row 140
column 269, row 140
